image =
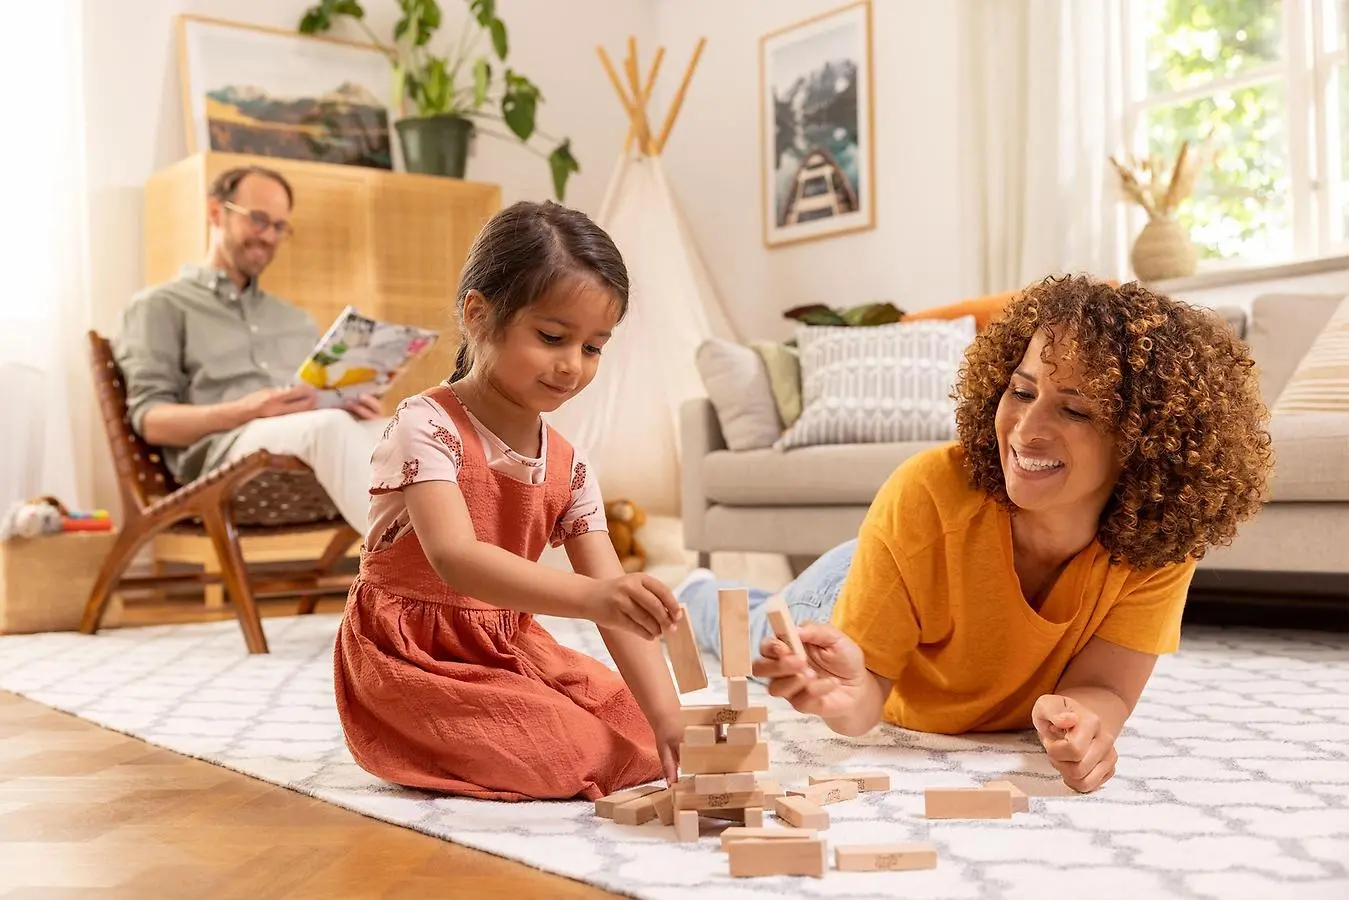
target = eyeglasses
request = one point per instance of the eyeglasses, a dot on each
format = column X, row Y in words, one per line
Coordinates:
column 260, row 221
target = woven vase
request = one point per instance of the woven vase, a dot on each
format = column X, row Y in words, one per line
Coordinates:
column 1163, row 250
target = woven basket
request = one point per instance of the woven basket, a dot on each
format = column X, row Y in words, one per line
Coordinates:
column 1163, row 250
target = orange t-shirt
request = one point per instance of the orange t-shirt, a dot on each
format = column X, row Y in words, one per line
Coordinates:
column 934, row 602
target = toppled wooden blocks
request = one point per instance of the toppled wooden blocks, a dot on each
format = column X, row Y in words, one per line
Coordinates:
column 884, row 857
column 995, row 800
column 737, row 833
column 866, row 781
column 800, row 812
column 754, row 857
column 605, row 806
column 827, row 792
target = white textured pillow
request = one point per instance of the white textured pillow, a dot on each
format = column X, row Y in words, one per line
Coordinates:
column 737, row 384
column 878, row 384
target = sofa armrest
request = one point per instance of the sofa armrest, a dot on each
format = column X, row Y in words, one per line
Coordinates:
column 699, row 435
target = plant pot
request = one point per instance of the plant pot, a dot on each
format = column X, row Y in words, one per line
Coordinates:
column 1163, row 250
column 435, row 145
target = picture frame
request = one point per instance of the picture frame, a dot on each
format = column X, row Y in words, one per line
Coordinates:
column 817, row 127
column 269, row 92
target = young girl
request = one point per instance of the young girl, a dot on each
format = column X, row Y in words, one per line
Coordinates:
column 444, row 679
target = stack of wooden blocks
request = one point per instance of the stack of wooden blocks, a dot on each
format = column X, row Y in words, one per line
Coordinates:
column 724, row 749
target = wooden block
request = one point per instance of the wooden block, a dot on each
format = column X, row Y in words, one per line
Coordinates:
column 721, row 715
column 753, row 858
column 723, row 783
column 800, row 812
column 700, row 735
column 1020, row 802
column 722, row 758
column 866, row 781
column 733, row 610
column 827, row 792
column 684, row 657
column 741, row 833
column 635, row 812
column 967, row 803
column 884, row 857
column 691, row 800
column 752, row 816
column 742, row 735
column 770, row 788
column 605, row 806
column 664, row 804
column 737, row 693
column 783, row 625
column 686, row 826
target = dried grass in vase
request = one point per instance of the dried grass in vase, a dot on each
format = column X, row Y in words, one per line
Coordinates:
column 1157, row 186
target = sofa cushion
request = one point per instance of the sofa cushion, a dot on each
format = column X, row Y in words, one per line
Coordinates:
column 782, row 362
column 878, row 384
column 827, row 475
column 1320, row 384
column 737, row 385
column 1311, row 457
column 1279, row 332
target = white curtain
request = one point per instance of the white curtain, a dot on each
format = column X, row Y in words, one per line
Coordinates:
column 1046, row 112
column 44, row 305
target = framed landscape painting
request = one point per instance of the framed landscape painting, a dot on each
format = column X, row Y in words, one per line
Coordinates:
column 815, row 95
column 269, row 92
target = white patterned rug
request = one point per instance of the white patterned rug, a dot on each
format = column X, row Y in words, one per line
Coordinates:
column 1233, row 781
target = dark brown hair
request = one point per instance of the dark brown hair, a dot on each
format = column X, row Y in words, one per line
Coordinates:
column 226, row 184
column 1174, row 385
column 523, row 252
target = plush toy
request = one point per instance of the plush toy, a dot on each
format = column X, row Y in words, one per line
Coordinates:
column 30, row 518
column 625, row 519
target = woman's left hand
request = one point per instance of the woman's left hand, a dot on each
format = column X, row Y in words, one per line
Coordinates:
column 1078, row 747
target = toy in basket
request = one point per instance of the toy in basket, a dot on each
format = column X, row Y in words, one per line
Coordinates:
column 360, row 355
column 47, row 515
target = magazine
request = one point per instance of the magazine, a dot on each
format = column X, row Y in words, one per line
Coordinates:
column 359, row 355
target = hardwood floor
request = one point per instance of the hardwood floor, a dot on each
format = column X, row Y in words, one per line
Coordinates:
column 92, row 814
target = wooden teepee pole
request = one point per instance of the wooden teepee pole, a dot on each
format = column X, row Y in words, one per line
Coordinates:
column 679, row 97
column 640, row 124
column 614, row 80
column 646, row 95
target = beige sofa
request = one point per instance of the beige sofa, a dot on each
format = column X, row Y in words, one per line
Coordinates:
column 803, row 501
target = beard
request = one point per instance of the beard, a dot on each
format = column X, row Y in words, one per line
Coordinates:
column 250, row 256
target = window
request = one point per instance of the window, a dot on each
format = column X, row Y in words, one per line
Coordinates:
column 1263, row 87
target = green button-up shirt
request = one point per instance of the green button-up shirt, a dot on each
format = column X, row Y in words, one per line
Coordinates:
column 199, row 340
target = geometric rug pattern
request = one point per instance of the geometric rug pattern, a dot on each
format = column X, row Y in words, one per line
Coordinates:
column 1233, row 779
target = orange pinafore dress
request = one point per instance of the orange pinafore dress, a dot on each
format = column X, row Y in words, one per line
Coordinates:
column 440, row 691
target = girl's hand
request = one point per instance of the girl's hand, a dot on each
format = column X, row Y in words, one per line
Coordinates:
column 1078, row 747
column 828, row 683
column 669, row 731
column 634, row 602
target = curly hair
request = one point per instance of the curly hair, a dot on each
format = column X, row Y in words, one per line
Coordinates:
column 1176, row 388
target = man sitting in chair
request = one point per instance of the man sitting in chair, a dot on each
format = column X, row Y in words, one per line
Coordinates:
column 209, row 358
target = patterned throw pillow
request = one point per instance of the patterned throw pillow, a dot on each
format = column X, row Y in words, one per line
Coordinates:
column 879, row 384
column 1320, row 384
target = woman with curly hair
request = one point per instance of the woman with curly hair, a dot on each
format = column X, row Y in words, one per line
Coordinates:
column 1030, row 574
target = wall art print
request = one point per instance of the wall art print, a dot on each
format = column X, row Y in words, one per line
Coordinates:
column 815, row 83
column 269, row 92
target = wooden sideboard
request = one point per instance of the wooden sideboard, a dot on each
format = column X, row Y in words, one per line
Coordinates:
column 389, row 243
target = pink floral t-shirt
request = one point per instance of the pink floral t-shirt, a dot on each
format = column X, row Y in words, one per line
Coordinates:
column 422, row 443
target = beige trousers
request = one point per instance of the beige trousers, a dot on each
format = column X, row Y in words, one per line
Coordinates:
column 332, row 442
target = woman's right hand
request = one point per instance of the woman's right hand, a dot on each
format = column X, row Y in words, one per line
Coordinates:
column 635, row 602
column 829, row 682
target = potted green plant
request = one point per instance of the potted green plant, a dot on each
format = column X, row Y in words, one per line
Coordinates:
column 452, row 93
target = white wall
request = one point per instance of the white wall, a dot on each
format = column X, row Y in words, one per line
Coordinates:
column 918, row 255
column 135, row 121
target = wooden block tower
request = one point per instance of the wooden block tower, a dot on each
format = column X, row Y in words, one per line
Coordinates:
column 723, row 746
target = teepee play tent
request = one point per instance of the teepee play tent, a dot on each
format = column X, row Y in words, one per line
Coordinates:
column 627, row 420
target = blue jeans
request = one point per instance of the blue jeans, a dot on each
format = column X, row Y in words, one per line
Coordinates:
column 810, row 597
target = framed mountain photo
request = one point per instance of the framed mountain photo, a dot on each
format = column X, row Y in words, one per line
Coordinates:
column 270, row 92
column 816, row 127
